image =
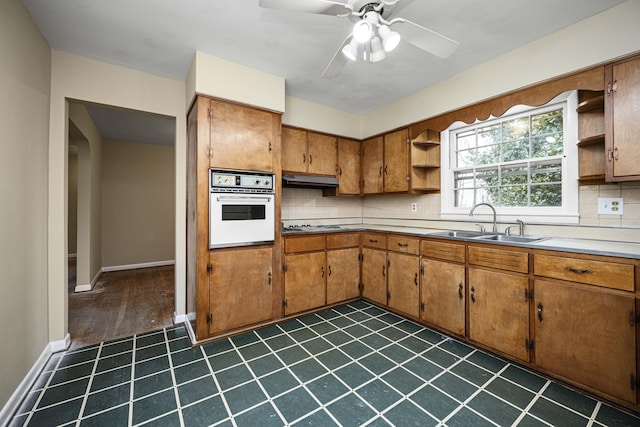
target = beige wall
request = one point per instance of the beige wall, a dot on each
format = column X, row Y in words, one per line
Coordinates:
column 138, row 198
column 89, row 248
column 25, row 67
column 72, row 204
column 77, row 78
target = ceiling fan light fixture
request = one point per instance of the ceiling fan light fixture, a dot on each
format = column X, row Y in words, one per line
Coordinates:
column 350, row 50
column 362, row 31
column 377, row 52
column 390, row 39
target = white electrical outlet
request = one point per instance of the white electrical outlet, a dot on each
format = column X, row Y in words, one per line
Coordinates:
column 610, row 206
column 414, row 207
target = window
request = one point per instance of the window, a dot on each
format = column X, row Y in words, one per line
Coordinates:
column 524, row 163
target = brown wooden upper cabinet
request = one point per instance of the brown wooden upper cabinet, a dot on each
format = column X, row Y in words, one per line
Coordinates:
column 622, row 127
column 242, row 137
column 385, row 163
column 309, row 152
column 348, row 167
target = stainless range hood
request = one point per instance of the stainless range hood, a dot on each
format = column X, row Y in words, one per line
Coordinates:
column 309, row 181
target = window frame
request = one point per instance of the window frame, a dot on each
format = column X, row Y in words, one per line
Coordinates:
column 568, row 213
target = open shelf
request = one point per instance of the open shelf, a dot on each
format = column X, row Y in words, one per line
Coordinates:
column 426, row 166
column 427, row 189
column 591, row 104
column 426, row 144
column 425, row 162
column 591, row 140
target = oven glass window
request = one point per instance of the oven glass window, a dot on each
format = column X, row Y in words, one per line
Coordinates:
column 243, row 212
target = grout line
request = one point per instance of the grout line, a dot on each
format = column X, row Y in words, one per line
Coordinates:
column 89, row 383
column 132, row 381
column 217, row 383
column 173, row 379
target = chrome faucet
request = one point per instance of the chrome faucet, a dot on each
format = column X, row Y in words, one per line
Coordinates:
column 521, row 225
column 495, row 226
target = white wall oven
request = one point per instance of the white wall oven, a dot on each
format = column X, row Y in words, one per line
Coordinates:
column 241, row 208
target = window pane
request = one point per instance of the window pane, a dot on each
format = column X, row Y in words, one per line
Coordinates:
column 546, row 123
column 489, row 135
column 516, row 129
column 513, row 176
column 548, row 145
column 546, row 195
column 464, row 198
column 515, row 150
column 546, row 173
column 488, row 155
column 487, row 178
column 514, row 196
column 466, row 140
column 466, row 158
column 464, row 180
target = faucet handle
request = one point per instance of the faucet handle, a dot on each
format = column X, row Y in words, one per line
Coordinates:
column 482, row 230
column 507, row 231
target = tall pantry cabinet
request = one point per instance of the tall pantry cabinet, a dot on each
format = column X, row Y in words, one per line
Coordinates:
column 228, row 135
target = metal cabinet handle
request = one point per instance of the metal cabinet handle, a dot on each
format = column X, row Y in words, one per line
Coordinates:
column 323, row 271
column 310, row 159
column 383, row 270
column 540, row 307
column 473, row 296
column 380, row 173
column 403, row 245
column 373, row 241
column 304, row 158
column 578, row 271
column 269, row 278
column 385, row 169
column 329, row 270
column 270, row 146
column 415, row 279
column 460, row 291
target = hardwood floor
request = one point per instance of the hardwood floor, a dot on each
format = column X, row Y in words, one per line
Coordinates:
column 122, row 303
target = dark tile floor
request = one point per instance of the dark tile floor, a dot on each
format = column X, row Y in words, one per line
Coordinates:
column 354, row 365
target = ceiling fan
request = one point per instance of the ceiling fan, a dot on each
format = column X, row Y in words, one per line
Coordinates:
column 372, row 36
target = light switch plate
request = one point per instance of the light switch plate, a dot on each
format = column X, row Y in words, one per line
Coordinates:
column 610, row 206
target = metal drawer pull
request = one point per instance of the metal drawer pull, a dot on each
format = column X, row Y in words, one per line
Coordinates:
column 403, row 245
column 577, row 271
column 383, row 268
column 269, row 278
column 323, row 271
column 415, row 279
column 373, row 241
column 460, row 291
column 329, row 270
column 473, row 295
column 540, row 307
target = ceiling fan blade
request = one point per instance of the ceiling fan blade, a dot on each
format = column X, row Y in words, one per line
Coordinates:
column 338, row 61
column 424, row 38
column 324, row 7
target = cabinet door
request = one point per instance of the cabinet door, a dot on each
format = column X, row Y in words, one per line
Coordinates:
column 404, row 283
column 396, row 162
column 623, row 105
column 443, row 295
column 585, row 335
column 498, row 311
column 240, row 288
column 372, row 165
column 242, row 137
column 294, row 150
column 323, row 154
column 348, row 167
column 343, row 275
column 374, row 275
column 304, row 282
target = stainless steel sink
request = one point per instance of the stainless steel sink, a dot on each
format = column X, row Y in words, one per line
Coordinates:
column 461, row 234
column 513, row 239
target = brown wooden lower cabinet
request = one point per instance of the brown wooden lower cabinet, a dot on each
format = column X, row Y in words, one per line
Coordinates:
column 499, row 312
column 585, row 335
column 343, row 274
column 404, row 283
column 374, row 275
column 443, row 295
column 240, row 288
column 304, row 282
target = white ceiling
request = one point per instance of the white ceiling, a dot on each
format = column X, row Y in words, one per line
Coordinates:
column 161, row 36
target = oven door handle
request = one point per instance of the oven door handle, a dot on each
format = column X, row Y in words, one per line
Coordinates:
column 265, row 198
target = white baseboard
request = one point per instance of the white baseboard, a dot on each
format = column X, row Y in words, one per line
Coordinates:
column 141, row 265
column 183, row 318
column 87, row 287
column 14, row 402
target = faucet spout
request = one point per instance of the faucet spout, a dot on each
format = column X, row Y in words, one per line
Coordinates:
column 495, row 225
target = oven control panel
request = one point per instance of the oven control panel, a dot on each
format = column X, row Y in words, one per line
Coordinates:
column 240, row 181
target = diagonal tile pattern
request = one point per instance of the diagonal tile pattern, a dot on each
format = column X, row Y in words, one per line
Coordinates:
column 353, row 365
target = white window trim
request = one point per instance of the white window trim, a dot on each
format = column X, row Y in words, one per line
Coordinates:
column 569, row 213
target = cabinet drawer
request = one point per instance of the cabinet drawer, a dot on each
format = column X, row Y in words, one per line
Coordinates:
column 499, row 258
column 374, row 240
column 440, row 250
column 338, row 241
column 600, row 273
column 404, row 244
column 304, row 244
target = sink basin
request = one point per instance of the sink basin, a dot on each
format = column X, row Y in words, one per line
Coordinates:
column 514, row 239
column 461, row 234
